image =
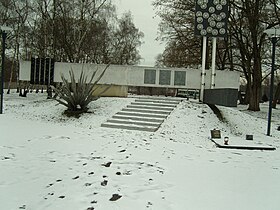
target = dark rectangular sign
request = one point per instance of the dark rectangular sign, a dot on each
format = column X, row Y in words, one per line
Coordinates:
column 42, row 71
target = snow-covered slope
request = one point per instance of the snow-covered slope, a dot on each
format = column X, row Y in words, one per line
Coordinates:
column 49, row 161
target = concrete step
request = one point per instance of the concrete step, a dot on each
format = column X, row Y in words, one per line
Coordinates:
column 151, row 107
column 158, row 101
column 145, row 114
column 130, row 127
column 132, row 122
column 163, row 99
column 159, row 116
column 154, row 104
column 137, row 118
column 152, row 111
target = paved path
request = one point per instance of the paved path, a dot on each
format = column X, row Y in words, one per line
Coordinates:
column 144, row 114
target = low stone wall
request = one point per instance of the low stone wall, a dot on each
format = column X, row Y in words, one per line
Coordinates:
column 153, row 91
column 111, row 91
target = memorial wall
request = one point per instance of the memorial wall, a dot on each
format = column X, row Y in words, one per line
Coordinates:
column 47, row 72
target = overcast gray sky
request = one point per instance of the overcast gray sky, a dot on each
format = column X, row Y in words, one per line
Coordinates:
column 144, row 19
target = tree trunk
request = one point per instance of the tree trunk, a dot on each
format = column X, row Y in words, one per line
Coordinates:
column 11, row 76
column 247, row 93
column 276, row 96
column 254, row 104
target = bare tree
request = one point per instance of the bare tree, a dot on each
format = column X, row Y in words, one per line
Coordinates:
column 71, row 31
column 249, row 19
column 176, row 28
column 243, row 50
column 276, row 96
column 127, row 38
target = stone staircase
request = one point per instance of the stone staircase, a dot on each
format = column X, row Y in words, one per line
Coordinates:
column 144, row 114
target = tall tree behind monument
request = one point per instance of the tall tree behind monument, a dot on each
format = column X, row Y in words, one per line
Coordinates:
column 69, row 31
column 243, row 50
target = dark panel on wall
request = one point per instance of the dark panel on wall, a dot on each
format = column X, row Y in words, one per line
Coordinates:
column 150, row 76
column 42, row 71
column 37, row 70
column 164, row 77
column 47, row 71
column 224, row 97
column 52, row 72
column 32, row 72
column 180, row 78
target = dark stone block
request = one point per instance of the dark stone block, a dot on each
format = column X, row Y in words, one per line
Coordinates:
column 225, row 97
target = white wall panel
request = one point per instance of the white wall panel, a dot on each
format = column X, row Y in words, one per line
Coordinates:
column 134, row 75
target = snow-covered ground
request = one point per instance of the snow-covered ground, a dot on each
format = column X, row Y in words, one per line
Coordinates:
column 51, row 162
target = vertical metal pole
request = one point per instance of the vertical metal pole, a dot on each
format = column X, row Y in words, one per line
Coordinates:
column 203, row 73
column 213, row 73
column 4, row 35
column 274, row 41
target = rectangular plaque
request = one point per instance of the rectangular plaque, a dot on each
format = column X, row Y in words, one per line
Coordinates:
column 164, row 77
column 249, row 137
column 180, row 78
column 150, row 76
column 215, row 134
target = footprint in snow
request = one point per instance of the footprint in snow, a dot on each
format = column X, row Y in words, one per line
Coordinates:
column 22, row 207
column 115, row 197
column 63, row 137
column 107, row 164
column 149, row 204
column 104, row 183
column 76, row 177
column 6, row 158
column 122, row 150
column 49, row 185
